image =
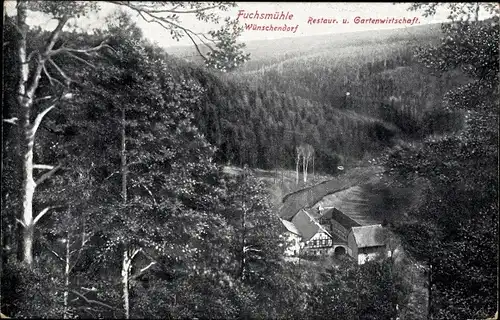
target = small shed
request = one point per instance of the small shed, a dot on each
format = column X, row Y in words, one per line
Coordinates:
column 367, row 242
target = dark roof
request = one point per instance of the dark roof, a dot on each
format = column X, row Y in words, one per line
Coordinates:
column 341, row 218
column 337, row 239
column 305, row 224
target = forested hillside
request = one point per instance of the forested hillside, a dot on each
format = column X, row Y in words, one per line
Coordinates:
column 349, row 101
column 350, row 97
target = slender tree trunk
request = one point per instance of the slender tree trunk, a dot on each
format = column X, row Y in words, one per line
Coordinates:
column 313, row 176
column 275, row 171
column 25, row 97
column 25, row 103
column 28, row 236
column 125, row 278
column 126, row 256
column 123, row 155
column 243, row 239
column 297, row 168
column 282, row 177
column 304, row 169
column 66, row 278
column 429, row 292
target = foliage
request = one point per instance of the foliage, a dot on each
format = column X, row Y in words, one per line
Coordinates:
column 30, row 293
column 459, row 173
column 227, row 54
column 457, row 11
column 181, row 171
column 368, row 291
column 258, row 249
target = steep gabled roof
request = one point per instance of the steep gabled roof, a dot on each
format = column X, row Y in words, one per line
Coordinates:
column 369, row 236
column 304, row 223
column 340, row 217
column 307, row 225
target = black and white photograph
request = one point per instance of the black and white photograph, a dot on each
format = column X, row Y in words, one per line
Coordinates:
column 250, row 160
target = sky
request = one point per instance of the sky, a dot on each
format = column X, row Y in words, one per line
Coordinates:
column 305, row 19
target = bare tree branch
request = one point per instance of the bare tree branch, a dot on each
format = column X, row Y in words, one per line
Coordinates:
column 81, row 60
column 134, row 253
column 63, row 49
column 54, row 253
column 111, row 175
column 152, row 263
column 147, row 267
column 141, row 272
column 250, row 248
column 150, row 193
column 41, row 61
column 207, row 38
column 182, row 11
column 66, row 78
column 44, row 98
column 39, row 119
column 42, row 213
column 172, row 10
column 93, row 289
column 87, row 300
column 20, row 222
column 49, row 76
column 195, row 44
column 12, row 121
column 160, row 20
column 43, row 166
column 47, row 175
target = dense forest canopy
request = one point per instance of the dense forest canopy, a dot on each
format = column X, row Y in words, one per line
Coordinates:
column 115, row 203
column 348, row 103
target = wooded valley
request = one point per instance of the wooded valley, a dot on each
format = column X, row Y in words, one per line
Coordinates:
column 116, row 204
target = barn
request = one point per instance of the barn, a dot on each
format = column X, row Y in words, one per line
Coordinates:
column 367, row 242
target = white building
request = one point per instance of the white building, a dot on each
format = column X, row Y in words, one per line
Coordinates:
column 293, row 237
